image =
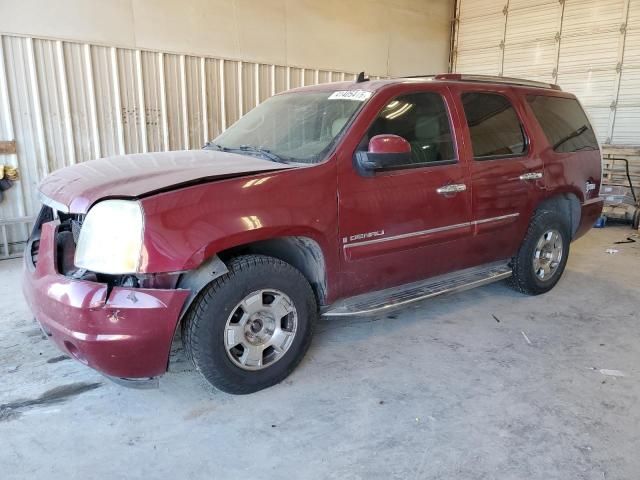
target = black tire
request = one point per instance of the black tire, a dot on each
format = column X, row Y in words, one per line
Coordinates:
column 204, row 325
column 524, row 278
column 635, row 223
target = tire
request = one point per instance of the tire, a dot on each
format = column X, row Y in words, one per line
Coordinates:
column 635, row 223
column 218, row 319
column 526, row 276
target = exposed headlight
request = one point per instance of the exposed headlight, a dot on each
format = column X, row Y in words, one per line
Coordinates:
column 111, row 238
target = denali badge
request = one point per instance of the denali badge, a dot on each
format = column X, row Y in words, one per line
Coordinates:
column 362, row 236
column 590, row 186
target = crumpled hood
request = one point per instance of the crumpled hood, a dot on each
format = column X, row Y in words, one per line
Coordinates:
column 80, row 186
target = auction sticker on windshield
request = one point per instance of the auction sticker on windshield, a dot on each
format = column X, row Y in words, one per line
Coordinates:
column 357, row 95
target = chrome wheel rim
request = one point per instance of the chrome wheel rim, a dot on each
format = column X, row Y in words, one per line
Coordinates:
column 547, row 255
column 260, row 329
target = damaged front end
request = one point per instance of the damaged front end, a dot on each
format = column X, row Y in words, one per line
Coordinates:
column 66, row 242
column 119, row 324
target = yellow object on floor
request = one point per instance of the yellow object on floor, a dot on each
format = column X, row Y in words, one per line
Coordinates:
column 8, row 172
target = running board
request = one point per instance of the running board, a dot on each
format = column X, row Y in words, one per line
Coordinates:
column 395, row 297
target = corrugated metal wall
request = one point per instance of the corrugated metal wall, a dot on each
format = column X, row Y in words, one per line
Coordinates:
column 589, row 47
column 66, row 102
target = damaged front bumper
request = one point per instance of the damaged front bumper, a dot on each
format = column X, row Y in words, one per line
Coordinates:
column 125, row 333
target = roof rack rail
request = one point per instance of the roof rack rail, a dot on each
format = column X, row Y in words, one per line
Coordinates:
column 463, row 77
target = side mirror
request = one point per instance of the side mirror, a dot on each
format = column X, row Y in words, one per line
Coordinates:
column 386, row 152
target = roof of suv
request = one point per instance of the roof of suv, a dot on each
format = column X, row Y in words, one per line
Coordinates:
column 374, row 85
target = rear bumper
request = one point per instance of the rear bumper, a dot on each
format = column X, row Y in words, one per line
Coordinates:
column 123, row 333
column 591, row 210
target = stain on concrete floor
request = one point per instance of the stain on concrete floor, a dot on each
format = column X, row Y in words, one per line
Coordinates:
column 11, row 410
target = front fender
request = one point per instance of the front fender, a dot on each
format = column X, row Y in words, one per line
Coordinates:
column 185, row 227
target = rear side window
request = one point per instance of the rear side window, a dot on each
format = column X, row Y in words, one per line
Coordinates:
column 564, row 123
column 494, row 126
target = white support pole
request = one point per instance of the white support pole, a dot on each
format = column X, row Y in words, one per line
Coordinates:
column 272, row 74
column 240, row 91
column 5, row 241
column 288, row 79
column 142, row 109
column 5, row 105
column 203, row 100
column 66, row 106
column 185, row 105
column 93, row 111
column 223, row 109
column 5, row 110
column 37, row 109
column 117, row 100
column 163, row 103
column 256, row 81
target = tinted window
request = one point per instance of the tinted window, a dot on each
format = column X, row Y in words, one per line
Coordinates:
column 494, row 126
column 564, row 123
column 422, row 120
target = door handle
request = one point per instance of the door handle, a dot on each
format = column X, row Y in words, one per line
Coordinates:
column 453, row 188
column 531, row 176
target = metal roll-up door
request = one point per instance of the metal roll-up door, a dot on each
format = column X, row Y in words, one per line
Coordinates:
column 589, row 47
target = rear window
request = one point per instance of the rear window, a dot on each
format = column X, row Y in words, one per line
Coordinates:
column 494, row 126
column 564, row 123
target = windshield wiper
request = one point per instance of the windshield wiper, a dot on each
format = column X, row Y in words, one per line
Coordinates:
column 264, row 152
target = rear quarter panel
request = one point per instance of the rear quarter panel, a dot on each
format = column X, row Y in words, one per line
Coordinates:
column 566, row 172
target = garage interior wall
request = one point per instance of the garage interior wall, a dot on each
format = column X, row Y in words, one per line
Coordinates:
column 82, row 80
column 589, row 47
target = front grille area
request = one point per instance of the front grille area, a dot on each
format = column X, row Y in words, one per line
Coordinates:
column 66, row 237
column 66, row 241
column 33, row 245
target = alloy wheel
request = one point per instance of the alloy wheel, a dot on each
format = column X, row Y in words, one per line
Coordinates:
column 260, row 329
column 547, row 255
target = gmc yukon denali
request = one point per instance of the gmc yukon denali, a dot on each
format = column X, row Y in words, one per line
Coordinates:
column 334, row 199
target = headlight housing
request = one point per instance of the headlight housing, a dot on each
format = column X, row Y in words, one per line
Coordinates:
column 111, row 238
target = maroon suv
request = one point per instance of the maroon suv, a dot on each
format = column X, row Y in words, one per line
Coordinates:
column 336, row 199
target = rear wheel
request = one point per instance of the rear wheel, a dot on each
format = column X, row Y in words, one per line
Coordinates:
column 248, row 329
column 543, row 254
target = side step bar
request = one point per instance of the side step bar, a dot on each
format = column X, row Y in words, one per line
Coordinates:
column 395, row 297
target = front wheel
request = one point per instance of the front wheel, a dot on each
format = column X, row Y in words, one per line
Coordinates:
column 248, row 329
column 543, row 254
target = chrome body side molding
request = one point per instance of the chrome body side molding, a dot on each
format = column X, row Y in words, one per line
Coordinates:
column 431, row 230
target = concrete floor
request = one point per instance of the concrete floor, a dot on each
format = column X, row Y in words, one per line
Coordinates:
column 485, row 384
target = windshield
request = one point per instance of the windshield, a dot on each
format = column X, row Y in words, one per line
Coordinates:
column 293, row 127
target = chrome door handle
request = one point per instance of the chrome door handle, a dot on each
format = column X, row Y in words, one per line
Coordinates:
column 531, row 176
column 453, row 188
